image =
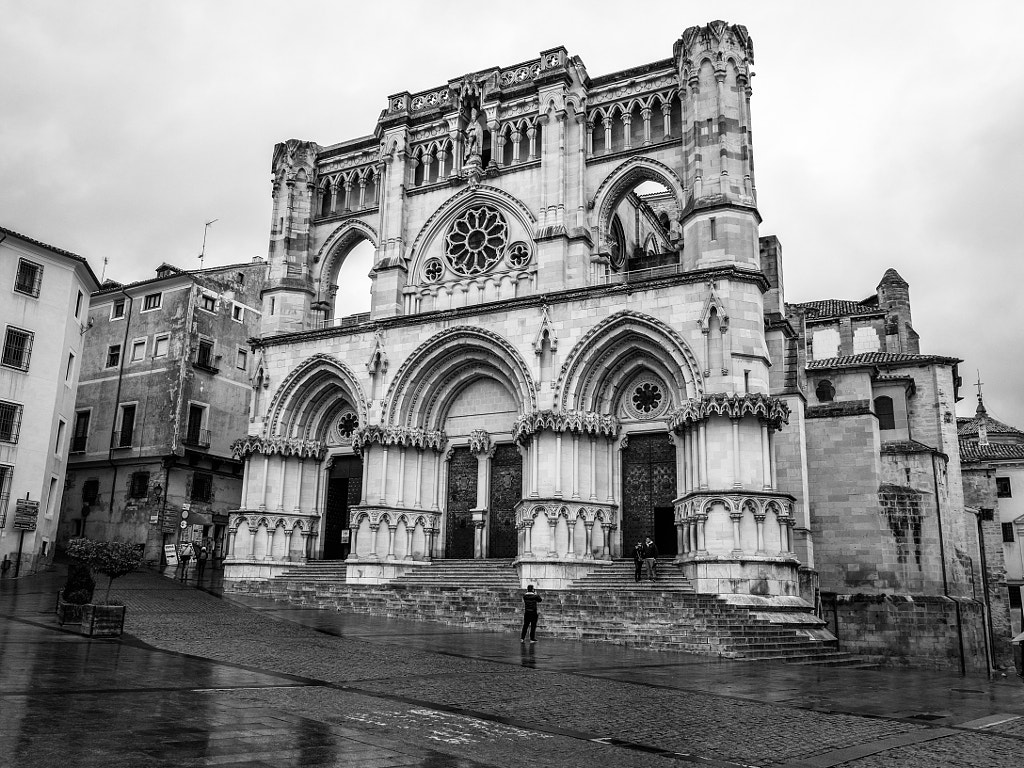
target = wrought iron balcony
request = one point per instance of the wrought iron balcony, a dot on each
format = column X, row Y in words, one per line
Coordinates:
column 198, row 438
column 122, row 439
column 78, row 443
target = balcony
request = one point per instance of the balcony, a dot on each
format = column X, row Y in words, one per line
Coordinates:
column 197, row 438
column 122, row 439
column 78, row 443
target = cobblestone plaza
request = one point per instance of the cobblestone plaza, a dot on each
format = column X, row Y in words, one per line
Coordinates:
column 189, row 685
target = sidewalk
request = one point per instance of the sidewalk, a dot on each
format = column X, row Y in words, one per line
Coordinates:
column 207, row 681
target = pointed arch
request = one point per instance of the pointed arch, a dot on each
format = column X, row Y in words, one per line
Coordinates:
column 310, row 395
column 433, row 375
column 618, row 184
column 617, row 348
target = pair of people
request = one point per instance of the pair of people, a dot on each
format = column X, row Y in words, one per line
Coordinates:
column 645, row 558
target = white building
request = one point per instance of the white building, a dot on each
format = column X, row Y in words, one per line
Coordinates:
column 44, row 298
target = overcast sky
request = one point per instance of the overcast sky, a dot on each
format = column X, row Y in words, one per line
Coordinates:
column 886, row 134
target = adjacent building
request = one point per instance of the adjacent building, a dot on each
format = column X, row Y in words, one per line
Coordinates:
column 165, row 389
column 44, row 305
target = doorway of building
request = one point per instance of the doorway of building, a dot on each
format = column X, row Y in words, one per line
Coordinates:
column 649, row 485
column 506, row 492
column 462, row 475
column 344, row 486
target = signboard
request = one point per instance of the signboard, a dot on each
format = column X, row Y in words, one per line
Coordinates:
column 346, row 534
column 183, row 525
column 171, row 554
column 197, row 533
column 25, row 514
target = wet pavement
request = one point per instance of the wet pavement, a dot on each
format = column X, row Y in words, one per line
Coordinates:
column 201, row 680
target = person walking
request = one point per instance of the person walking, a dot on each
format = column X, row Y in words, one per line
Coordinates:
column 201, row 558
column 530, row 615
column 650, row 559
column 185, row 556
column 638, row 559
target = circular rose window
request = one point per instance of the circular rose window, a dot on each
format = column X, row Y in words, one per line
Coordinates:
column 347, row 424
column 476, row 241
column 646, row 399
column 518, row 255
column 433, row 270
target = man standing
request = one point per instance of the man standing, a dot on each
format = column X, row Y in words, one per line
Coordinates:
column 638, row 560
column 201, row 558
column 530, row 600
column 650, row 558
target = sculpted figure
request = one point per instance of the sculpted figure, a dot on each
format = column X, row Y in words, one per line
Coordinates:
column 474, row 136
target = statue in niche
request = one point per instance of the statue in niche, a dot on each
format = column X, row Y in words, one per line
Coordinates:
column 474, row 136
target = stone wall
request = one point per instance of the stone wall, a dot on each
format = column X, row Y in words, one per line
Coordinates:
column 905, row 630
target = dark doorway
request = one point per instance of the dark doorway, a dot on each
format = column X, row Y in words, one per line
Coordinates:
column 648, row 483
column 344, row 486
column 506, row 492
column 665, row 531
column 462, row 471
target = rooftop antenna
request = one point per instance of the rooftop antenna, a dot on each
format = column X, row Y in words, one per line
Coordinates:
column 202, row 253
column 103, row 272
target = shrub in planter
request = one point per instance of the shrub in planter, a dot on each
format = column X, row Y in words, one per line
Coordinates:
column 113, row 559
column 78, row 587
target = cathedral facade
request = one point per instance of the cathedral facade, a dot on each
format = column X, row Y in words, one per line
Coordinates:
column 577, row 338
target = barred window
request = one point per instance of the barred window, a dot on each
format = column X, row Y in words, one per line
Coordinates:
column 139, row 487
column 113, row 355
column 10, row 421
column 17, row 348
column 202, row 487
column 90, row 491
column 117, row 309
column 151, row 301
column 208, row 303
column 1008, row 533
column 29, row 278
column 6, row 473
column 1003, row 488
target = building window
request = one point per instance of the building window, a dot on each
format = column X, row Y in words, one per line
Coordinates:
column 208, row 303
column 825, row 343
column 987, row 515
column 138, row 350
column 69, row 374
column 6, row 473
column 160, row 345
column 51, row 498
column 62, row 428
column 80, row 436
column 242, row 360
column 90, row 491
column 195, row 434
column 10, row 422
column 151, row 301
column 865, row 340
column 78, row 304
column 17, row 348
column 884, row 412
column 1008, row 537
column 202, row 487
column 117, row 309
column 204, row 356
column 139, row 487
column 713, row 228
column 29, row 278
column 237, row 313
column 825, row 392
column 1003, row 488
column 113, row 355
column 124, row 436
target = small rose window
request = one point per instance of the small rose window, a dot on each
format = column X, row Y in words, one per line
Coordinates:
column 347, row 424
column 433, row 270
column 518, row 255
column 647, row 397
column 476, row 241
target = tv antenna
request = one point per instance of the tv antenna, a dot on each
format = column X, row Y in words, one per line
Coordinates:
column 103, row 272
column 202, row 253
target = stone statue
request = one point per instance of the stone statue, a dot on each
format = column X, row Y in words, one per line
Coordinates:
column 474, row 136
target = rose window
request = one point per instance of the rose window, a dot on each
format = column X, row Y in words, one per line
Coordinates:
column 476, row 241
column 518, row 255
column 433, row 270
column 646, row 399
column 347, row 424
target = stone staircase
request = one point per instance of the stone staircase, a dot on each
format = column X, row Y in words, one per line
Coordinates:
column 606, row 605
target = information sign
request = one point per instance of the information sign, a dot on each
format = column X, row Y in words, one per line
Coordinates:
column 183, row 525
column 171, row 554
column 25, row 513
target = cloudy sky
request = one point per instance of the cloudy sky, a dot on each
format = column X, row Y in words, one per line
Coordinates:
column 886, row 134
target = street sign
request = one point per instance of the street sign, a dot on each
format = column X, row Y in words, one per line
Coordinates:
column 25, row 514
column 184, row 514
column 183, row 525
column 171, row 554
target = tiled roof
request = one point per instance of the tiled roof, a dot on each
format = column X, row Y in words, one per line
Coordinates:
column 53, row 248
column 969, row 427
column 879, row 358
column 906, row 446
column 175, row 272
column 971, row 451
column 836, row 308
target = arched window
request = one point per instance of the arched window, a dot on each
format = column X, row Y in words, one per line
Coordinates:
column 884, row 412
column 617, row 245
column 825, row 392
column 325, row 199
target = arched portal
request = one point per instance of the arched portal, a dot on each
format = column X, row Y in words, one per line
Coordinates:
column 648, row 491
column 343, row 284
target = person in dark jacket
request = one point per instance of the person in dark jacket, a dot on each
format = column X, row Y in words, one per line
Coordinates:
column 650, row 559
column 638, row 560
column 530, row 600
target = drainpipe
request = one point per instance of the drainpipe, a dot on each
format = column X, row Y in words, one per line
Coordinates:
column 117, row 397
column 945, row 577
column 990, row 649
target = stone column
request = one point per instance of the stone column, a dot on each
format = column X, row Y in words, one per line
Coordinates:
column 737, row 545
column 353, row 554
column 392, row 527
column 436, row 505
column 408, row 540
column 666, row 113
column 593, row 468
column 680, row 544
column 288, row 544
column 575, row 465
column 759, row 519
column 418, row 499
column 252, row 543
column 266, row 477
column 374, row 527
column 589, row 526
column 684, row 547
column 610, row 448
column 606, row 537
column 570, row 545
column 304, row 535
column 646, row 115
column 771, row 459
column 737, row 481
column 382, row 496
column 607, row 134
column 558, row 464
column 528, row 550
column 534, row 463
column 231, row 542
column 702, row 453
column 552, row 546
column 400, row 501
column 766, row 467
column 701, row 520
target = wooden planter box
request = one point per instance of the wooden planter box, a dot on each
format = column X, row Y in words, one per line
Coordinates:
column 68, row 613
column 102, row 620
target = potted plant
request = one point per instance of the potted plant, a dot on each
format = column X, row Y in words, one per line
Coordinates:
column 79, row 585
column 113, row 559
